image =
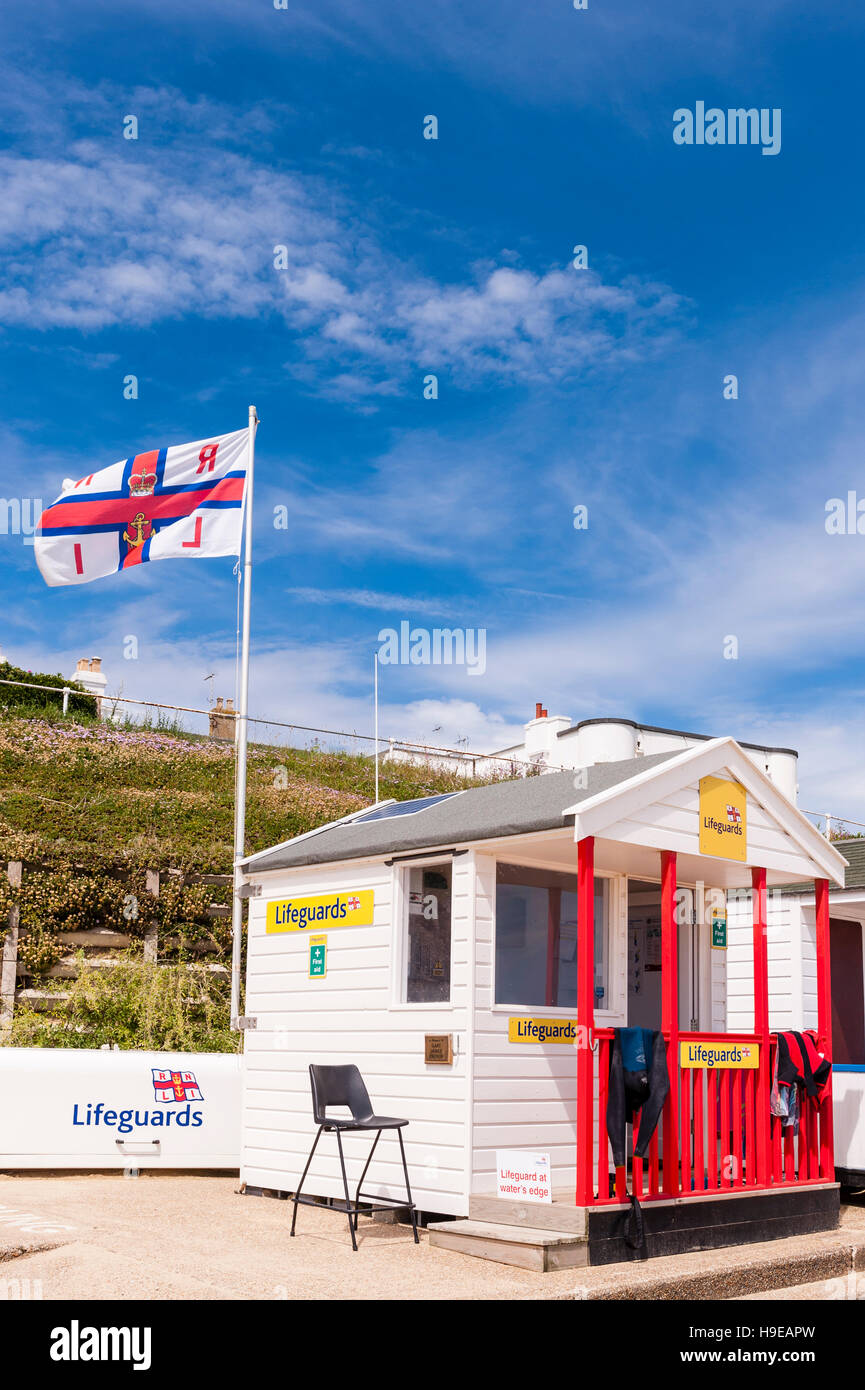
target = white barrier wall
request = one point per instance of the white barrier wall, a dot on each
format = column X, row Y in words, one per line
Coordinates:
column 71, row 1108
column 848, row 1111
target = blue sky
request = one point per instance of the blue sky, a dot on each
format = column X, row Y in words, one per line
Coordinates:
column 304, row 127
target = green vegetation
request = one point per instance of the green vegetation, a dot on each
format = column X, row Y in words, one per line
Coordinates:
column 136, row 795
column 89, row 806
column 21, row 699
column 137, row 1005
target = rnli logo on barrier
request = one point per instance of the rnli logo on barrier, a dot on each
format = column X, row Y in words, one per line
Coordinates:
column 542, row 1030
column 731, row 1056
column 723, row 819
column 177, row 1086
column 352, row 909
column 169, row 1087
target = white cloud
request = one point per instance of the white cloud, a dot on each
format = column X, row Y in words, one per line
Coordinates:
column 401, row 604
column 117, row 233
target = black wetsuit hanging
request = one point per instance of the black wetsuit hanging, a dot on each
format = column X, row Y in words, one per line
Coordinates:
column 639, row 1080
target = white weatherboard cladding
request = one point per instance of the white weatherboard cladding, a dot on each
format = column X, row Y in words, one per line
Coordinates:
column 784, row 949
column 524, row 1094
column 804, row 924
column 718, row 990
column 352, row 1015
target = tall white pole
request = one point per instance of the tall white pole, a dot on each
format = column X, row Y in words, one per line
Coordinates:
column 375, row 688
column 241, row 732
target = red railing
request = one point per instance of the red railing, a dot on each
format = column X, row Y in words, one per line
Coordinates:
column 723, row 1126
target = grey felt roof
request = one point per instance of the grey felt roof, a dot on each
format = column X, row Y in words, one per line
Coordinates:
column 854, row 875
column 479, row 813
column 854, row 852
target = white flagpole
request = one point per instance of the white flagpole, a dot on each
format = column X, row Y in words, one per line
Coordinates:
column 241, row 732
column 375, row 688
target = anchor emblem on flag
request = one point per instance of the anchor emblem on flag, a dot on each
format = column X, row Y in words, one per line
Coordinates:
column 138, row 523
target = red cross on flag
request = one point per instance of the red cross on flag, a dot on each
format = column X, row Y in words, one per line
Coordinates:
column 178, row 502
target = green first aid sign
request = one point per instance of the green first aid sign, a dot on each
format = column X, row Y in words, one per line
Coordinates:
column 719, row 932
column 317, row 957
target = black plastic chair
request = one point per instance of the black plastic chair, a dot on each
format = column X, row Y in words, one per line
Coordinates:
column 344, row 1086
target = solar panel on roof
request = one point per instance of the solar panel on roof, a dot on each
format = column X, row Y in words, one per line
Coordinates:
column 403, row 808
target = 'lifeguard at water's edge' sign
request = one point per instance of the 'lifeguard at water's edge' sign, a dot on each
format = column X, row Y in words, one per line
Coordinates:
column 353, row 909
column 723, row 819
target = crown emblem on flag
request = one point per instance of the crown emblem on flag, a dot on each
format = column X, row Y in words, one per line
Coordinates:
column 142, row 479
column 734, row 814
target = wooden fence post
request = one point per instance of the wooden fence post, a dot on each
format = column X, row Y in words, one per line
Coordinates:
column 10, row 952
column 151, row 931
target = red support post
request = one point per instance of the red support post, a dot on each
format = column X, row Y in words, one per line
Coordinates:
column 585, row 1018
column 761, row 1022
column 824, row 1025
column 670, row 1018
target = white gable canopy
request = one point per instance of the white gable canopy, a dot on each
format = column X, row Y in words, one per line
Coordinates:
column 660, row 809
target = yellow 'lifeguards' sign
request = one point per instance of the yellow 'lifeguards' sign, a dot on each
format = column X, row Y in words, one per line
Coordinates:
column 733, row 1056
column 542, row 1030
column 352, row 909
column 723, row 819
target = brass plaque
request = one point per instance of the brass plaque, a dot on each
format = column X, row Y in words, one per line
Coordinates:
column 438, row 1049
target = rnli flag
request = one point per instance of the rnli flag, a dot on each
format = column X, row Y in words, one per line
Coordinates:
column 174, row 503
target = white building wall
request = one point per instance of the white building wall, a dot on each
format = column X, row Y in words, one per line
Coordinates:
column 786, row 962
column 353, row 1016
column 718, row 990
column 525, row 1095
column 804, row 926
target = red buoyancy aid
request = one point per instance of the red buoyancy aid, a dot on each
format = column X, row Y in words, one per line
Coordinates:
column 801, row 1063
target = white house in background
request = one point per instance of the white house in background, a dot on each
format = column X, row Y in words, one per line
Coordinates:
column 89, row 674
column 553, row 743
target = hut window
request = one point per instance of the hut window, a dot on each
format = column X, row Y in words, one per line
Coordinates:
column 536, row 938
column 427, row 954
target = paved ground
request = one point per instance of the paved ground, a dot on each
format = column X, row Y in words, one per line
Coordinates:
column 103, row 1236
column 196, row 1238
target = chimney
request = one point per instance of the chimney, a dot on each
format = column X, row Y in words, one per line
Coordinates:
column 89, row 675
column 541, row 734
column 222, row 718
